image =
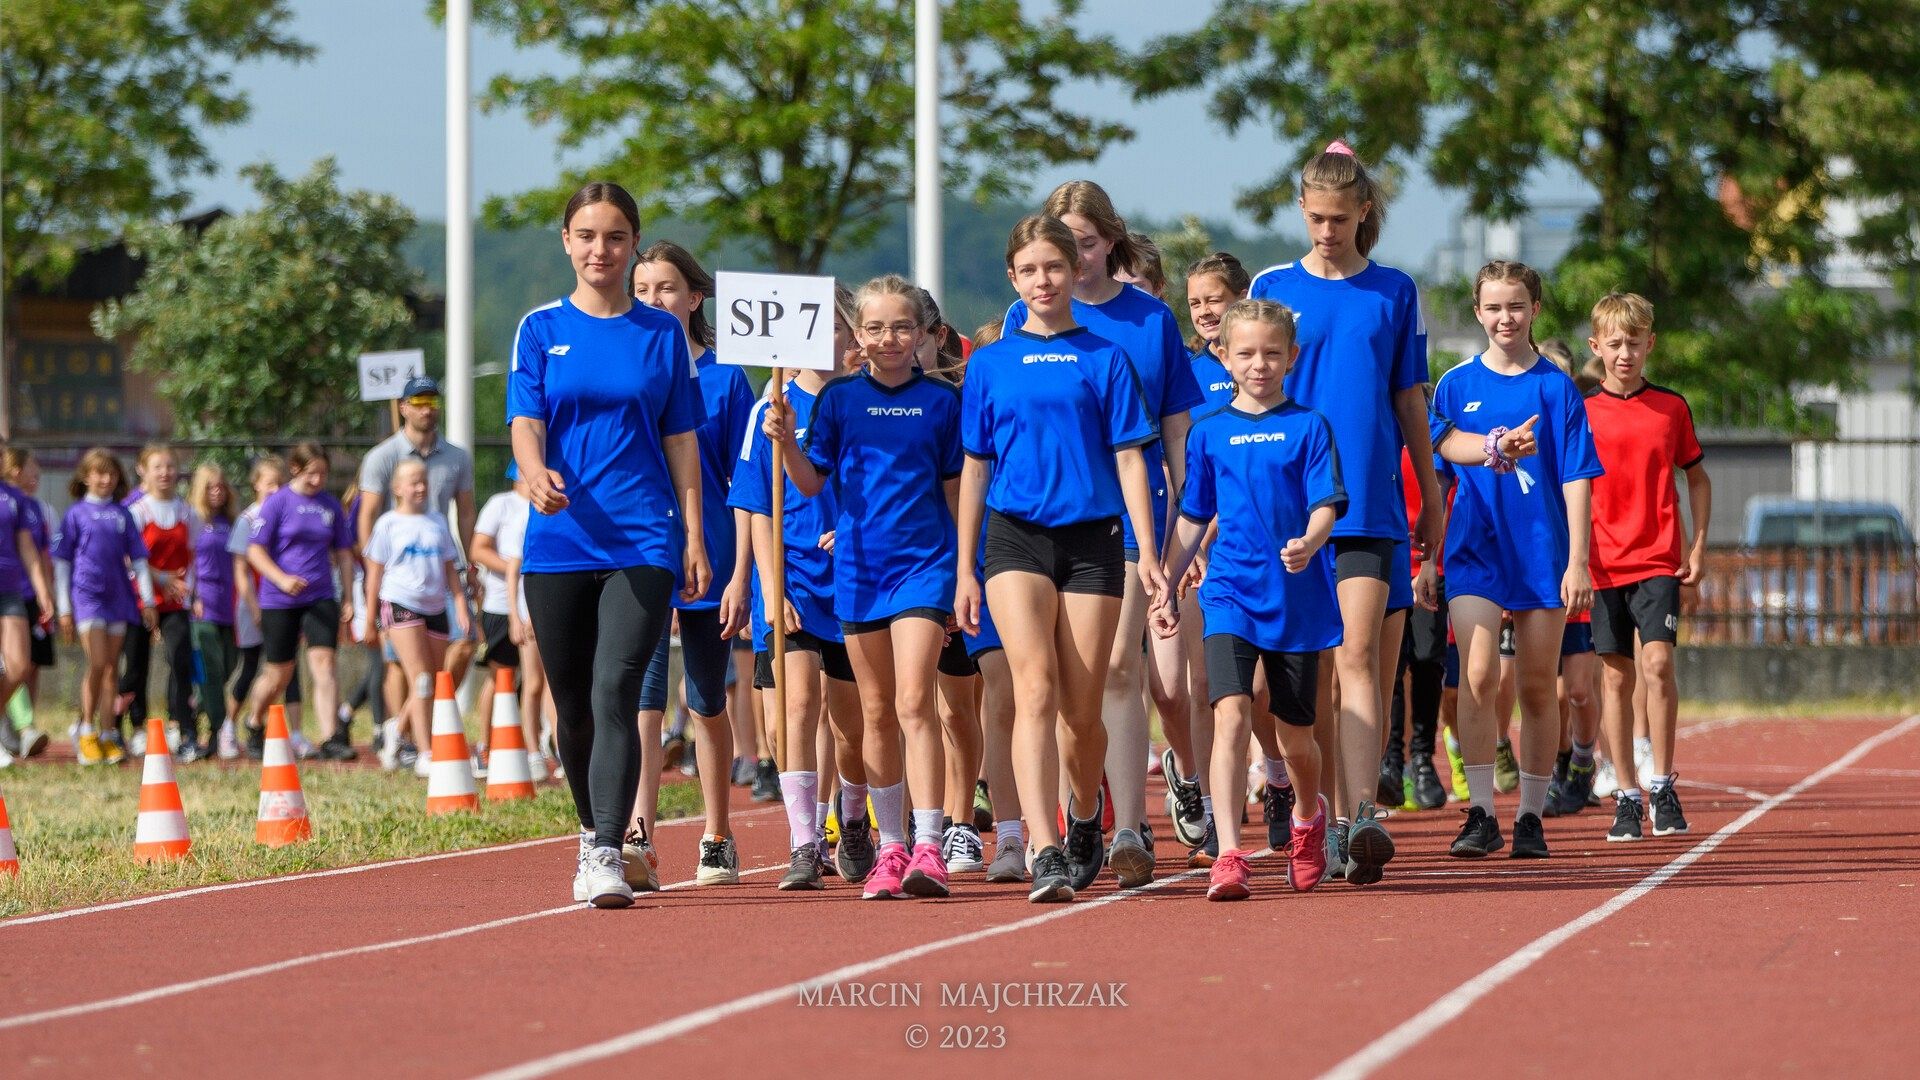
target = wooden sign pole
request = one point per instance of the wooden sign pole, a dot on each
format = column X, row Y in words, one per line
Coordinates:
column 776, row 604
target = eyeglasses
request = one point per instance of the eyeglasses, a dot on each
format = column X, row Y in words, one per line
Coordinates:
column 424, row 401
column 896, row 330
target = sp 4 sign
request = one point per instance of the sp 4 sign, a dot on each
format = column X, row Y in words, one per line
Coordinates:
column 384, row 374
column 775, row 320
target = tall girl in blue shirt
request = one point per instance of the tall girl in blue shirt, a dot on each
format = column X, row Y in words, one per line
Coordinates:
column 1363, row 361
column 1516, row 541
column 1055, row 422
column 888, row 437
column 602, row 407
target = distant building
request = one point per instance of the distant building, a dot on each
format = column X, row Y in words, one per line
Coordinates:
column 1540, row 239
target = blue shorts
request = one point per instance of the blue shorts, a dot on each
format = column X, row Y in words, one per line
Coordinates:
column 1400, row 578
column 1576, row 638
column 988, row 639
column 706, row 658
column 1451, row 680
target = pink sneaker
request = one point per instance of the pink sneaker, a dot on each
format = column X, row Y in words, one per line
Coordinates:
column 884, row 882
column 1307, row 861
column 927, row 873
column 1229, row 877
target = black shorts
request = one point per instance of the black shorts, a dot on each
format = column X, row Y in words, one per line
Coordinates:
column 1650, row 608
column 954, row 661
column 39, row 641
column 501, row 651
column 1362, row 557
column 394, row 615
column 1292, row 678
column 932, row 614
column 282, row 628
column 1085, row 557
column 1426, row 639
column 833, row 659
column 1506, row 638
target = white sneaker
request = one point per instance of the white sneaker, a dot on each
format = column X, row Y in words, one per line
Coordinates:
column 605, row 880
column 390, row 745
column 580, row 867
column 33, row 741
column 962, row 850
column 1605, row 782
column 423, row 766
column 642, row 863
column 229, row 746
column 1643, row 762
column 6, row 759
column 137, row 745
column 537, row 766
column 302, row 748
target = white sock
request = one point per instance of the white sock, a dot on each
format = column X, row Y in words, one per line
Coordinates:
column 86, row 728
column 463, row 695
column 853, row 801
column 888, row 804
column 926, row 826
column 800, row 791
column 1660, row 783
column 1011, row 834
column 1533, row 793
column 1277, row 772
column 390, row 735
column 1480, row 786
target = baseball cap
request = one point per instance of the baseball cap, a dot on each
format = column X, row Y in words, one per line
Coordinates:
column 421, row 386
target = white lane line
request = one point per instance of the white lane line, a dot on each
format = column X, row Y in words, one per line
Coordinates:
column 1731, row 789
column 699, row 1018
column 175, row 989
column 1381, row 1051
column 1896, row 774
column 1705, row 726
column 202, row 890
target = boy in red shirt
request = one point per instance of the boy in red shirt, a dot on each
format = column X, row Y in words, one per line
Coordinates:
column 1642, row 433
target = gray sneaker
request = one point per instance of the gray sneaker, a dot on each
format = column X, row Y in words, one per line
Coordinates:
column 719, row 862
column 853, row 857
column 1336, row 851
column 803, row 870
column 1132, row 862
column 1009, row 864
column 1368, row 846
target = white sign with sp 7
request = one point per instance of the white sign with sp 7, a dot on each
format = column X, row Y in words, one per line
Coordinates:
column 384, row 374
column 775, row 320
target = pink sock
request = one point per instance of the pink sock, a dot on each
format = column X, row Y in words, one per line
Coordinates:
column 800, row 790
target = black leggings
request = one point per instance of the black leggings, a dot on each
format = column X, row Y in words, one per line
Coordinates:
column 597, row 632
column 176, row 641
column 370, row 691
column 1423, row 707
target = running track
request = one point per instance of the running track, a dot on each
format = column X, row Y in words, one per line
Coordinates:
column 1779, row 937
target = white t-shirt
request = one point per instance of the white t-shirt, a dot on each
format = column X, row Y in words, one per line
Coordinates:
column 505, row 519
column 415, row 550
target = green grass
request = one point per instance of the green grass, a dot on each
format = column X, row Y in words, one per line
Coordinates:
column 74, row 828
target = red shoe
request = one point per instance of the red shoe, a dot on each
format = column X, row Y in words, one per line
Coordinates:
column 1307, row 860
column 1229, row 877
column 885, row 883
column 926, row 872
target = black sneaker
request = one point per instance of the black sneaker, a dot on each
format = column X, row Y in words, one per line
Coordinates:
column 337, row 747
column 1051, row 885
column 1529, row 838
column 1667, row 818
column 1336, row 849
column 256, row 743
column 1086, row 846
column 1479, row 836
column 1391, row 787
column 1276, row 809
column 1368, row 846
column 1183, row 803
column 853, row 856
column 803, row 870
column 766, row 781
column 1428, row 794
column 982, row 808
column 1556, row 788
column 1578, row 789
column 1208, row 850
column 1628, row 812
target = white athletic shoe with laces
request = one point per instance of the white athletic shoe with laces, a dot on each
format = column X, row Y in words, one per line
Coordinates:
column 606, row 879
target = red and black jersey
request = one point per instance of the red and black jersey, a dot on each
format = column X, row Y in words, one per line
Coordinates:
column 1641, row 438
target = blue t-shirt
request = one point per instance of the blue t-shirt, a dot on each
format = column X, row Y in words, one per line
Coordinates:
column 1507, row 535
column 1148, row 334
column 1263, row 475
column 610, row 391
column 1215, row 383
column 889, row 451
column 727, row 399
column 1049, row 411
column 1362, row 340
column 809, row 567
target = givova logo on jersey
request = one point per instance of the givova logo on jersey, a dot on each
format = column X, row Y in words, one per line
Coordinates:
column 1258, row 437
column 895, row 410
column 1052, row 358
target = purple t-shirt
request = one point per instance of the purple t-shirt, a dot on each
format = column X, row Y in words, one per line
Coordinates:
column 213, row 571
column 17, row 512
column 301, row 533
column 99, row 539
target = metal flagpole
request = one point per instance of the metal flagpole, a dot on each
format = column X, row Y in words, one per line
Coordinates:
column 459, row 388
column 926, row 148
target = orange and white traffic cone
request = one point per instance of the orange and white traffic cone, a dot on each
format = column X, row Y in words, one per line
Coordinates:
column 9, row 859
column 450, row 780
column 283, row 806
column 161, row 832
column 509, row 774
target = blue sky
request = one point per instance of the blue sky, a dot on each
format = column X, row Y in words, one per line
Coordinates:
column 372, row 98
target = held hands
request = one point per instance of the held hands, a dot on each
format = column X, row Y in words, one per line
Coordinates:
column 1195, row 576
column 1152, row 577
column 1576, row 590
column 546, row 491
column 1164, row 617
column 1426, row 591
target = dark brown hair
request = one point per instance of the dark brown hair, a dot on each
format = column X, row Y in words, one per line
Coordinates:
column 1047, row 229
column 1228, row 268
column 1508, row 272
column 16, row 460
column 1341, row 170
column 1147, row 264
column 1090, row 201
column 98, row 459
column 696, row 277
column 602, row 191
column 304, row 454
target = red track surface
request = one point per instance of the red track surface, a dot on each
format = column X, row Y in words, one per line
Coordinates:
column 1783, row 950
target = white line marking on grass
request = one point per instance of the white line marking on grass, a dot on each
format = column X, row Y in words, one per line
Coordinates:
column 141, row 997
column 1382, row 1050
column 202, row 890
column 699, row 1018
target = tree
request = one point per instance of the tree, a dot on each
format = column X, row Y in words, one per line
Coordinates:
column 790, row 121
column 256, row 325
column 1713, row 172
column 104, row 105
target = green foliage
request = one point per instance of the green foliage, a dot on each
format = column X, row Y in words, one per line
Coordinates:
column 104, row 102
column 789, row 123
column 1715, row 172
column 255, row 326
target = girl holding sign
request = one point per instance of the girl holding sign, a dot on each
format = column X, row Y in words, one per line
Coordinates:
column 602, row 407
column 889, row 437
column 1054, row 426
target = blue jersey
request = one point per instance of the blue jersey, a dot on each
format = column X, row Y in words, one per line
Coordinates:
column 610, row 392
column 1362, row 340
column 1214, row 381
column 727, row 398
column 1049, row 411
column 1507, row 535
column 809, row 566
column 1263, row 475
column 889, row 451
column 1146, row 331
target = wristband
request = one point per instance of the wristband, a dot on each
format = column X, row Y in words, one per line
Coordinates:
column 1497, row 461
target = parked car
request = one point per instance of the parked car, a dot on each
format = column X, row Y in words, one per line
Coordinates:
column 1828, row 570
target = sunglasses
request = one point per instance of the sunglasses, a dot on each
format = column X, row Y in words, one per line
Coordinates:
column 424, row 401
